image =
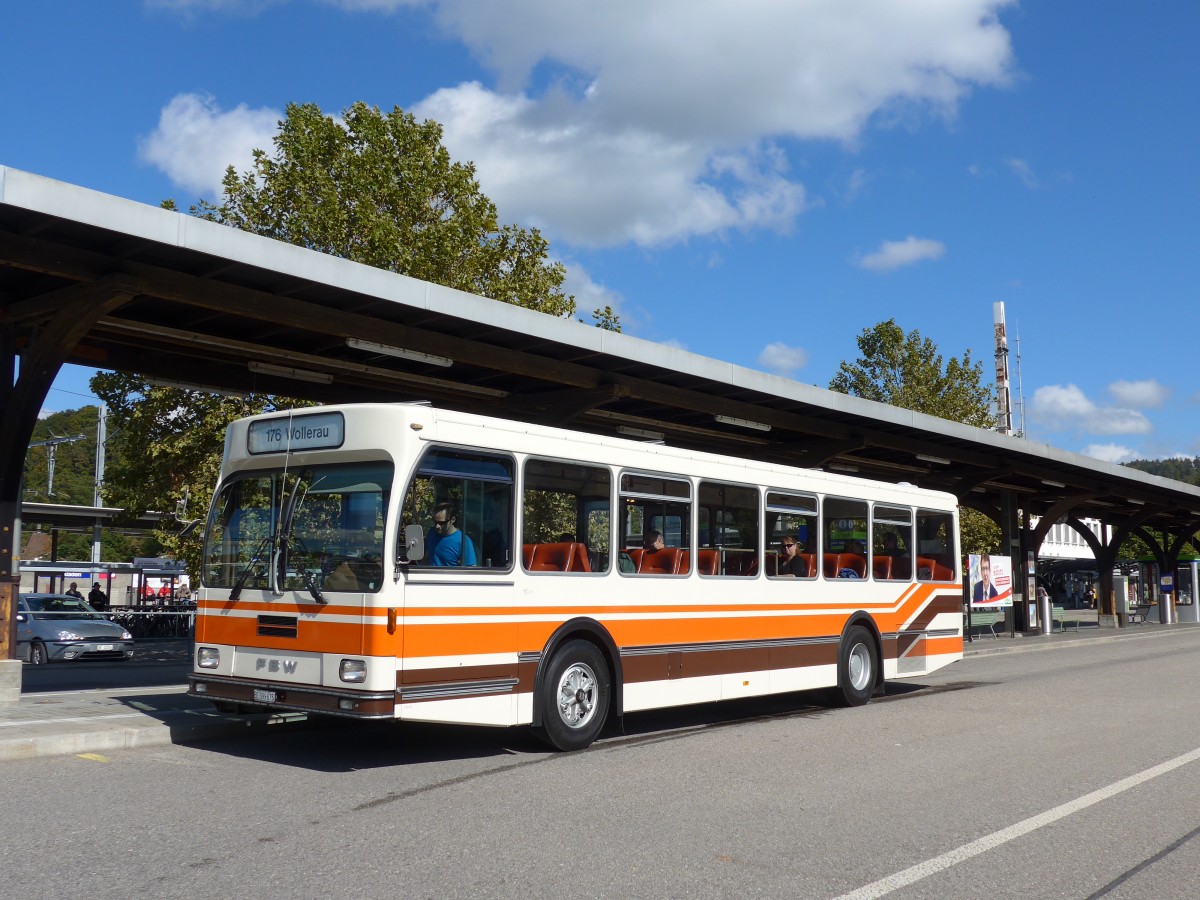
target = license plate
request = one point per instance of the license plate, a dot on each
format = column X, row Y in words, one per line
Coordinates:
column 103, row 647
column 262, row 696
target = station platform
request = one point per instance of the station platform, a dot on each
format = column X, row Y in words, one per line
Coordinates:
column 99, row 720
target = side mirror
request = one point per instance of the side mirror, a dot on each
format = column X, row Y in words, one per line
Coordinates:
column 414, row 545
column 21, row 617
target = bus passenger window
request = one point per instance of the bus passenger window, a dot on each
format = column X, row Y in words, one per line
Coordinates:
column 566, row 516
column 891, row 537
column 792, row 519
column 727, row 542
column 846, row 538
column 463, row 501
column 937, row 550
column 656, row 506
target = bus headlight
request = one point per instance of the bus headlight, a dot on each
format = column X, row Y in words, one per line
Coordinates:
column 353, row 670
column 208, row 657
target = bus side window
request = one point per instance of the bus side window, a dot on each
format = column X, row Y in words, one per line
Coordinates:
column 937, row 551
column 728, row 538
column 793, row 517
column 474, row 492
column 654, row 505
column 846, row 538
column 566, row 506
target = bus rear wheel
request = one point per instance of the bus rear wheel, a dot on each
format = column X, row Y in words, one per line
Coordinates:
column 575, row 696
column 856, row 668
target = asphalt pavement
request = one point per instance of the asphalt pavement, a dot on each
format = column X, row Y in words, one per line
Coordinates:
column 99, row 719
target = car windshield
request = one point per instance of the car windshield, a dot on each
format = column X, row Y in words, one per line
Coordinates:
column 61, row 608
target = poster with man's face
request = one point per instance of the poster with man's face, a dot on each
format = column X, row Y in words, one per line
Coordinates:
column 991, row 580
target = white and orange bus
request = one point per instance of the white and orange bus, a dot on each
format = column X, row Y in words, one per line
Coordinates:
column 400, row 561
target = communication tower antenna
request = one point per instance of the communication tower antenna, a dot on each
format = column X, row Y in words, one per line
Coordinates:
column 1003, row 390
column 1020, row 385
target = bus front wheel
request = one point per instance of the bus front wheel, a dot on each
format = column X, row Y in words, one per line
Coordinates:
column 575, row 696
column 856, row 668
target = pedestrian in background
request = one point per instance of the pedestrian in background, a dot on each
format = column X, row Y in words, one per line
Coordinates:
column 97, row 598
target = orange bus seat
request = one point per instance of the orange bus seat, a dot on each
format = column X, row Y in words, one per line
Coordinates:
column 881, row 566
column 810, row 563
column 551, row 557
column 830, row 565
column 527, row 555
column 709, row 562
column 659, row 562
column 929, row 569
column 852, row 562
column 579, row 558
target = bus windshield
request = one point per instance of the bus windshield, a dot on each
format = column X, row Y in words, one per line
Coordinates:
column 319, row 526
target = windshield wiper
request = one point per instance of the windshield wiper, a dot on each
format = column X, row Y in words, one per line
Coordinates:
column 255, row 560
column 310, row 582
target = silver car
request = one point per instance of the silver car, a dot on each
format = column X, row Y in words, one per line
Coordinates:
column 54, row 627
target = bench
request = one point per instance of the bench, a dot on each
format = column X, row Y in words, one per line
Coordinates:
column 1137, row 614
column 1065, row 617
column 988, row 620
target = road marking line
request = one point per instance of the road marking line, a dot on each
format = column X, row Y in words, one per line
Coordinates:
column 95, row 757
column 989, row 842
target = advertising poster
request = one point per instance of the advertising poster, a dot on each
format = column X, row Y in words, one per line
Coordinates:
column 991, row 581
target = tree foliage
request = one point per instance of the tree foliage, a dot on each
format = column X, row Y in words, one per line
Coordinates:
column 381, row 189
column 74, row 484
column 906, row 370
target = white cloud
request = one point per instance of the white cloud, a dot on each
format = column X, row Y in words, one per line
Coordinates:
column 650, row 123
column 1113, row 453
column 1147, row 394
column 591, row 185
column 195, row 141
column 1023, row 171
column 781, row 359
column 1066, row 407
column 590, row 295
column 895, row 254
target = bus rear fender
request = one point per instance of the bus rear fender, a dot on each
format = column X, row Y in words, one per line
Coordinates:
column 590, row 630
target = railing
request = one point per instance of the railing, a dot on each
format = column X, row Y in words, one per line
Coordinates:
column 157, row 622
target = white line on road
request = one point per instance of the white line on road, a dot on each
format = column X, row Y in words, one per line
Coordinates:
column 982, row 845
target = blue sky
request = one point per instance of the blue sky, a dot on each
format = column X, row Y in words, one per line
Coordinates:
column 753, row 181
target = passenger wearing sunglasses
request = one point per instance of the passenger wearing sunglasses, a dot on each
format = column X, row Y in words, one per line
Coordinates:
column 446, row 544
column 791, row 563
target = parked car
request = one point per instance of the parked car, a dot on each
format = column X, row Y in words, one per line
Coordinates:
column 54, row 627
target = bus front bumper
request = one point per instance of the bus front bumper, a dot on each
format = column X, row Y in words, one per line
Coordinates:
column 294, row 697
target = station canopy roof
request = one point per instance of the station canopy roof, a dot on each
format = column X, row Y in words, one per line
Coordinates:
column 207, row 305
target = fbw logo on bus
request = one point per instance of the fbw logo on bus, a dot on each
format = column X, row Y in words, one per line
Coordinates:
column 274, row 665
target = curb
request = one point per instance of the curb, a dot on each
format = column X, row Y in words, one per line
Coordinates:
column 96, row 734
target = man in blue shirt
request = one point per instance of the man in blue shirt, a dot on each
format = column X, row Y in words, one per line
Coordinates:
column 446, row 545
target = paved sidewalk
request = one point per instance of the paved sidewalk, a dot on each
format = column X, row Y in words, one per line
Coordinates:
column 1071, row 636
column 53, row 723
column 50, row 723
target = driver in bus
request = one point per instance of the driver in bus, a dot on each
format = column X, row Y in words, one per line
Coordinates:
column 446, row 544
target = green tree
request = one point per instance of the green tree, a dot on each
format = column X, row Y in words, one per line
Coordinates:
column 75, row 485
column 906, row 370
column 375, row 188
column 381, row 189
